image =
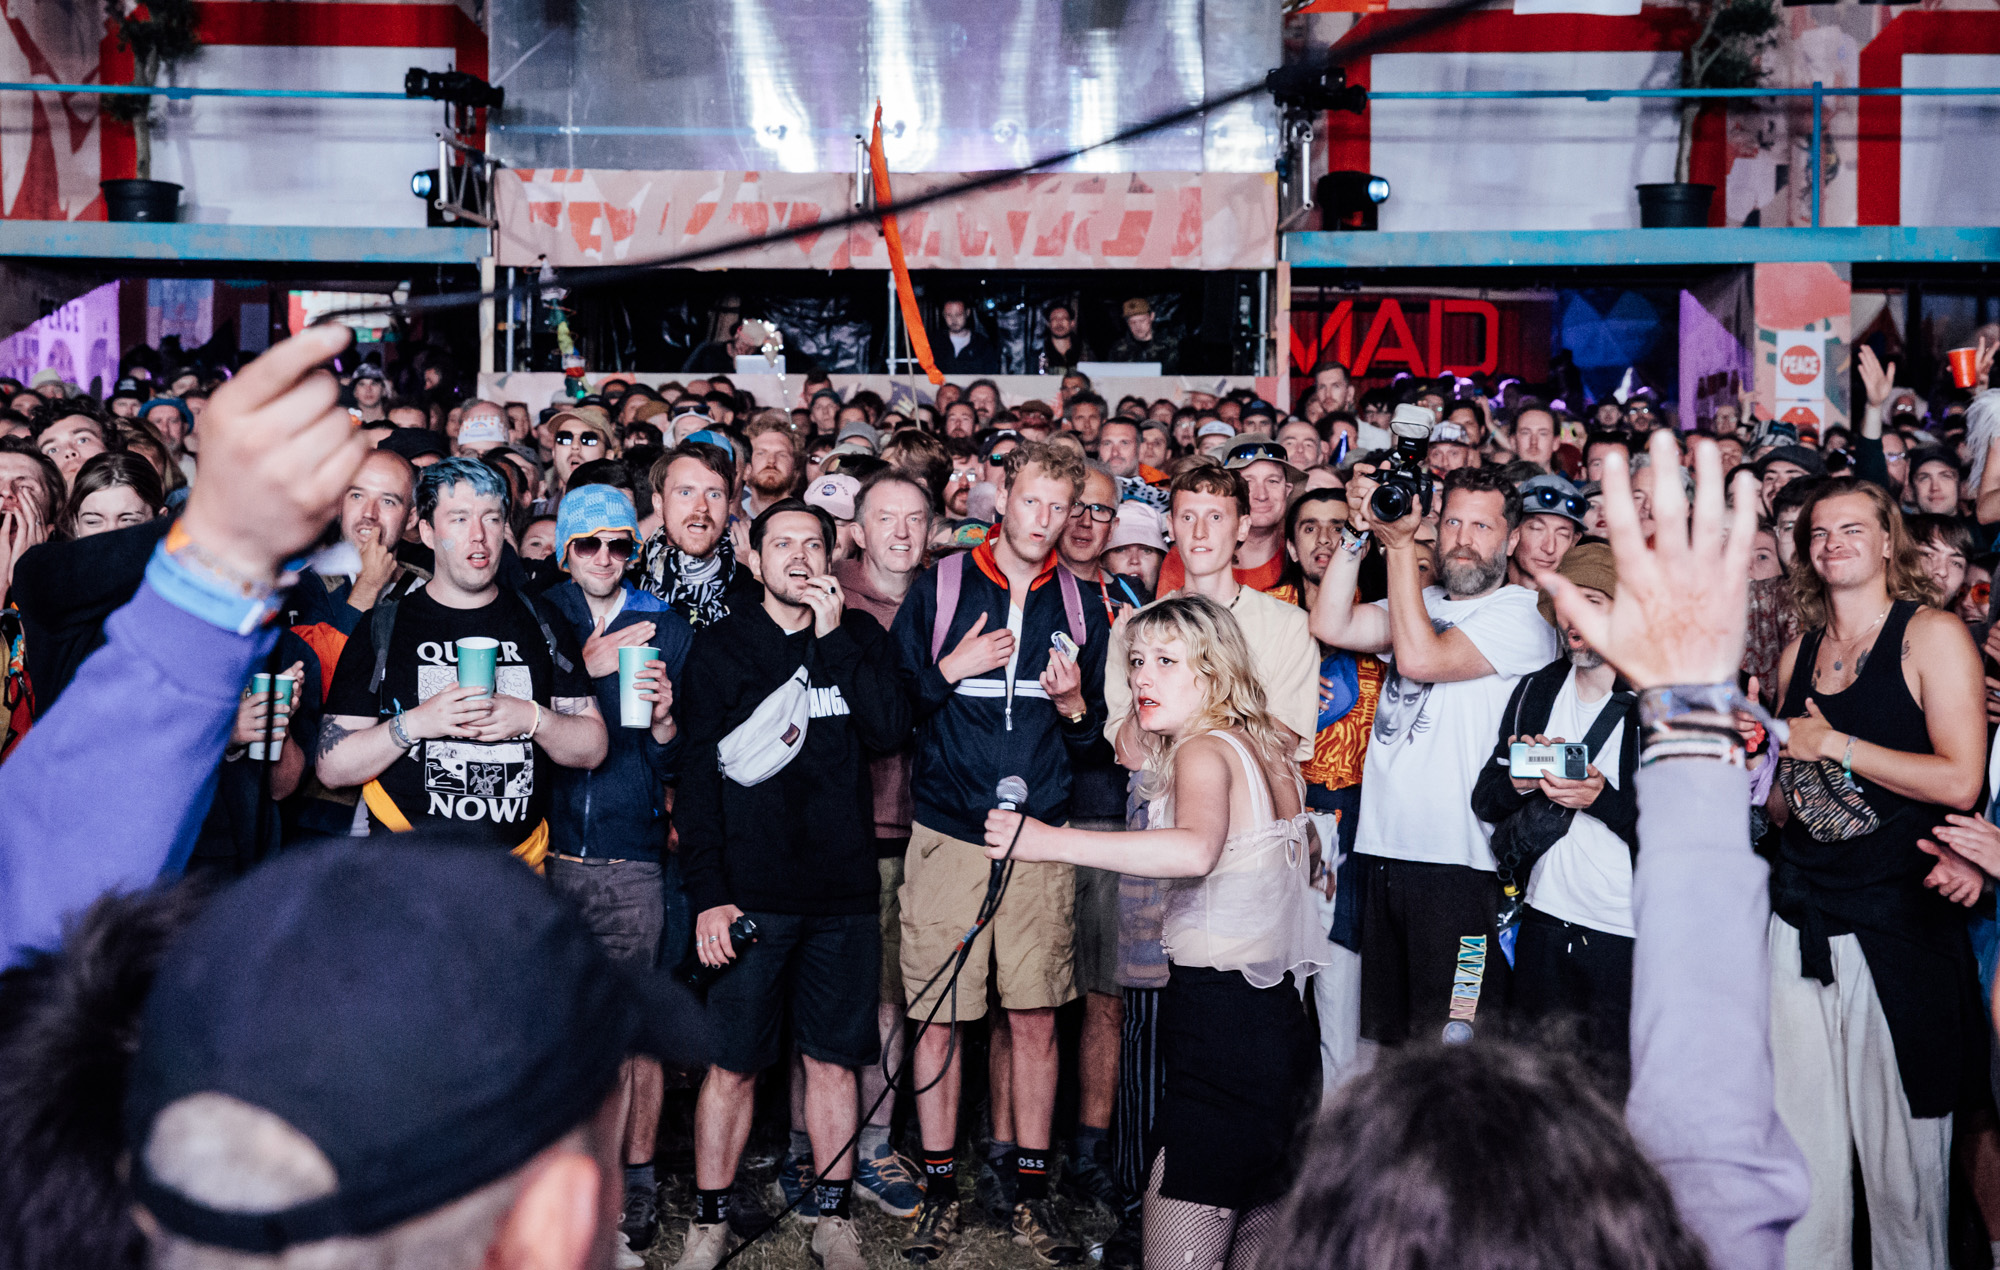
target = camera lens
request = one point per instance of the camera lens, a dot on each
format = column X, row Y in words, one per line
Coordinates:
column 1391, row 499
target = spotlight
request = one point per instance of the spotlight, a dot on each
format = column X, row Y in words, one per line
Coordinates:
column 424, row 184
column 454, row 87
column 1351, row 200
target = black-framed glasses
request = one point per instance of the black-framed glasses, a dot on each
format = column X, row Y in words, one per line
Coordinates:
column 588, row 440
column 1102, row 513
column 591, row 548
column 1546, row 499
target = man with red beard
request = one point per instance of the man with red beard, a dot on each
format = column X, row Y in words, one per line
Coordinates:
column 774, row 462
column 689, row 561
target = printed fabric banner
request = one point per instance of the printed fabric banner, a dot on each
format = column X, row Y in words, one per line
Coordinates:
column 1066, row 220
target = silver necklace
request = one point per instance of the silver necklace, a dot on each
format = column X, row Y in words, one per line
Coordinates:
column 1838, row 663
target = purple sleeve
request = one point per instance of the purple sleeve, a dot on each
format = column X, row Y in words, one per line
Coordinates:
column 110, row 787
column 1702, row 1105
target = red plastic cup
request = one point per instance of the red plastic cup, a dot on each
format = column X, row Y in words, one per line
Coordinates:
column 1964, row 366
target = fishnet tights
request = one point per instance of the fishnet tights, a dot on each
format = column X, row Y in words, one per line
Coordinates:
column 1185, row 1236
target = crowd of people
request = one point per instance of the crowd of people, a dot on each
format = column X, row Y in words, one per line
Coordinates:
column 1305, row 762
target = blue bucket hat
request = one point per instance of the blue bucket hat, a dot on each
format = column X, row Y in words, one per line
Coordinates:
column 593, row 509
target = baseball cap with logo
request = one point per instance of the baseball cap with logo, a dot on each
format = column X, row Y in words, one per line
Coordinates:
column 483, row 429
column 834, row 494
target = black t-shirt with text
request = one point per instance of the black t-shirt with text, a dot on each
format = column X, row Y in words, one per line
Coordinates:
column 497, row 790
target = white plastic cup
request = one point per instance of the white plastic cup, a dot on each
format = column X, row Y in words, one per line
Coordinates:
column 634, row 711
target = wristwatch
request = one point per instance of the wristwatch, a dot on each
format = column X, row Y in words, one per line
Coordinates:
column 1078, row 716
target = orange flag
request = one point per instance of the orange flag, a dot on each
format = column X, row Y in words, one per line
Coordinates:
column 920, row 342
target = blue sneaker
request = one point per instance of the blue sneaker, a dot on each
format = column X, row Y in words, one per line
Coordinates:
column 796, row 1180
column 890, row 1181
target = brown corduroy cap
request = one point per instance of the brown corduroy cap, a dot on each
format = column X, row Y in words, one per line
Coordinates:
column 1586, row 564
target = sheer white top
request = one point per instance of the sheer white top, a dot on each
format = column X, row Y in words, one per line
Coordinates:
column 1253, row 913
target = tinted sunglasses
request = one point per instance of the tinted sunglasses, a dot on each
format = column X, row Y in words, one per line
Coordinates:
column 1544, row 499
column 1252, row 451
column 588, row 440
column 591, row 548
column 1979, row 594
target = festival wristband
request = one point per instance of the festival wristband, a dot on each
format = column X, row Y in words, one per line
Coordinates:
column 203, row 594
column 1705, row 706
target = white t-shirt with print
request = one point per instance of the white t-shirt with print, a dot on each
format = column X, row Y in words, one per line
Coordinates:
column 1430, row 740
column 1586, row 877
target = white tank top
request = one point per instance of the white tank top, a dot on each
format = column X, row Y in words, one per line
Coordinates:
column 1253, row 913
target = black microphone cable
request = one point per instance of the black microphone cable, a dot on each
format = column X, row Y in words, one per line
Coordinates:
column 955, row 962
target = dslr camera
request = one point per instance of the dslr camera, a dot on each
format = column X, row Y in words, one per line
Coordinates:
column 1405, row 481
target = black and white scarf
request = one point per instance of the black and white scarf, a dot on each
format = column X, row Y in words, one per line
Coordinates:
column 694, row 587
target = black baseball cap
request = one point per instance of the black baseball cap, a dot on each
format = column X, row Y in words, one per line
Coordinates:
column 413, row 443
column 429, row 1014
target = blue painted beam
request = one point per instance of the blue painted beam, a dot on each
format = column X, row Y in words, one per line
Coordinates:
column 1900, row 244
column 291, row 244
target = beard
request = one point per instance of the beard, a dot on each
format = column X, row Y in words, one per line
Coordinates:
column 770, row 480
column 1460, row 576
column 1585, row 658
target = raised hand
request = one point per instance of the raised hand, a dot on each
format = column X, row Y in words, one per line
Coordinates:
column 277, row 455
column 1683, row 603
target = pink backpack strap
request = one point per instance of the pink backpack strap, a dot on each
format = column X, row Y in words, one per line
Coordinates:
column 1072, row 595
column 950, row 580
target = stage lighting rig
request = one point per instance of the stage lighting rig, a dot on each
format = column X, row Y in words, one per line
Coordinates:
column 1307, row 89
column 455, row 88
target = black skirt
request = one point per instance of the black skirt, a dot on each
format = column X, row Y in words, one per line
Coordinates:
column 1242, row 1084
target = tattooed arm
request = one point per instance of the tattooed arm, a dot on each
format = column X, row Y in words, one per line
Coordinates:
column 352, row 750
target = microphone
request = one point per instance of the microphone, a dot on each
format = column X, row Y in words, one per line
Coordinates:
column 1012, row 791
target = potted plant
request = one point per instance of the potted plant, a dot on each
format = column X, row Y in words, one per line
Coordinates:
column 159, row 34
column 1727, row 54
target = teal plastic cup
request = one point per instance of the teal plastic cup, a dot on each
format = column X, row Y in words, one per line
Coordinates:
column 476, row 657
column 283, row 686
column 634, row 711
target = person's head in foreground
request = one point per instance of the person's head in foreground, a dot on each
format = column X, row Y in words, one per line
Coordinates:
column 1450, row 1157
column 423, row 1072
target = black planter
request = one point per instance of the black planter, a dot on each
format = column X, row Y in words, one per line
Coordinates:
column 141, row 200
column 1675, row 205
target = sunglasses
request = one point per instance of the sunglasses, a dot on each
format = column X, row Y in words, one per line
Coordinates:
column 1099, row 512
column 591, row 548
column 1257, row 450
column 1979, row 595
column 1545, row 499
column 588, row 440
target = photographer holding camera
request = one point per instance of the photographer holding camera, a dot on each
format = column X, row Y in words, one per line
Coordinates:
column 1430, row 900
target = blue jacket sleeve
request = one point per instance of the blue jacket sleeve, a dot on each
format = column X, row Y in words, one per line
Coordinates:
column 1703, row 1106
column 111, row 786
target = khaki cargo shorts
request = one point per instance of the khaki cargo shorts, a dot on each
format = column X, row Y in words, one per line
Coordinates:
column 1030, row 943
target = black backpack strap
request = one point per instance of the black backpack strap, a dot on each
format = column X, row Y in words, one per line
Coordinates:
column 1613, row 713
column 381, row 625
column 548, row 636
